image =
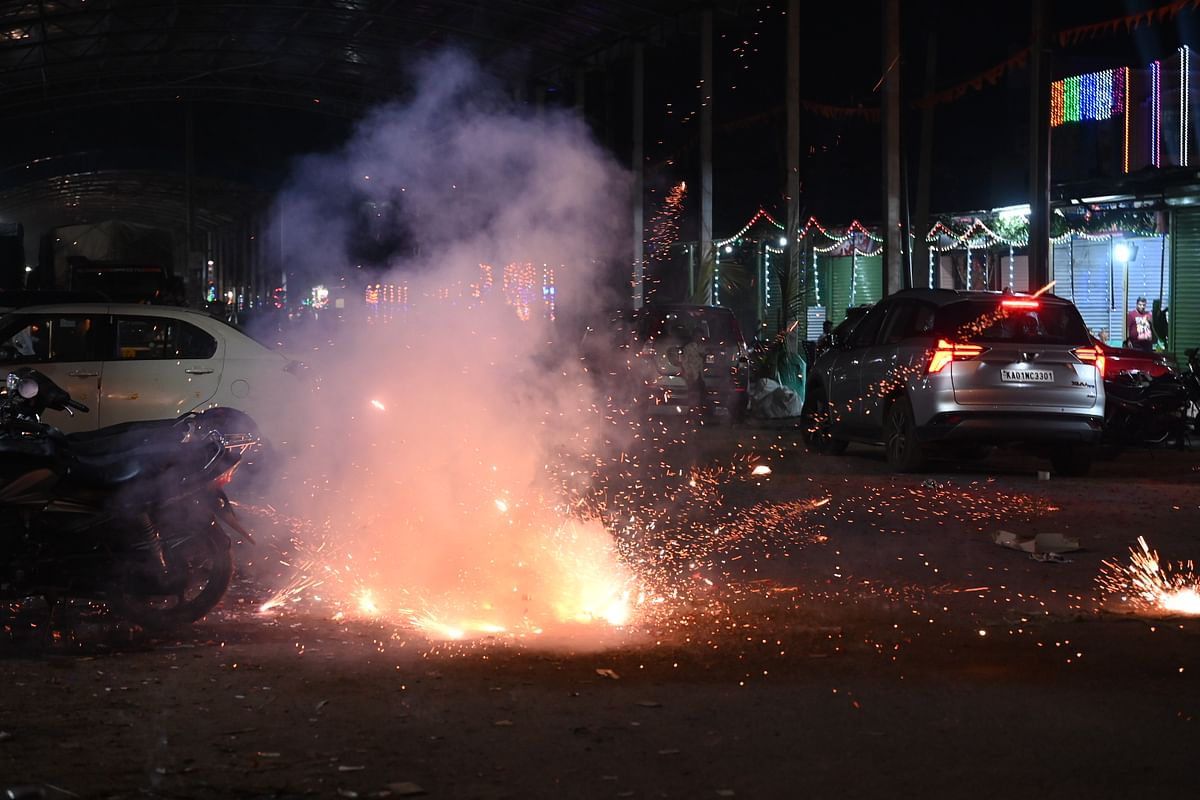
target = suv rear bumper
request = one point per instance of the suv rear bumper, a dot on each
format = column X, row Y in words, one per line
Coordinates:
column 999, row 427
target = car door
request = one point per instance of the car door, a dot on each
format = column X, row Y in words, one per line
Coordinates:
column 882, row 370
column 159, row 367
column 845, row 376
column 67, row 348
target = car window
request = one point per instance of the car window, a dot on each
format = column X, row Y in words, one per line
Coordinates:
column 907, row 318
column 864, row 332
column 989, row 321
column 141, row 338
column 713, row 325
column 48, row 338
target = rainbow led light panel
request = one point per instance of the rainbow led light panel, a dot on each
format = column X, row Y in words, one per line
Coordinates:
column 1096, row 95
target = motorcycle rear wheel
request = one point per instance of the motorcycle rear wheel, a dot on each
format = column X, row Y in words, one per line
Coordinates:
column 200, row 566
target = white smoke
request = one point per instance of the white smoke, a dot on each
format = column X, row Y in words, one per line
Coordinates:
column 438, row 491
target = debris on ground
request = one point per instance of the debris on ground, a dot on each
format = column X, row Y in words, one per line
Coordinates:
column 1041, row 544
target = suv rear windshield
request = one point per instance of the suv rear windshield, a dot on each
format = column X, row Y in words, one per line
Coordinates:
column 988, row 321
column 718, row 326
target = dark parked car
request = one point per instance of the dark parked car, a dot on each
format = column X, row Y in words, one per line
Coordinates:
column 961, row 370
column 639, row 358
column 1129, row 359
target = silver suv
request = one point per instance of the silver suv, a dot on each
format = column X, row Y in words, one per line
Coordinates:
column 929, row 370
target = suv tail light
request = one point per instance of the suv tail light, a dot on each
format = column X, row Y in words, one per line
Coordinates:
column 952, row 351
column 1027, row 303
column 1091, row 355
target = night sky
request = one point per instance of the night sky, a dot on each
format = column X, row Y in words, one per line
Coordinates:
column 980, row 139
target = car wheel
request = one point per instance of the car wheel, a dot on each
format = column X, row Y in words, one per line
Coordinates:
column 904, row 452
column 1072, row 463
column 817, row 421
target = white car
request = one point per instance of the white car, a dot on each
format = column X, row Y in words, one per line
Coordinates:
column 131, row 362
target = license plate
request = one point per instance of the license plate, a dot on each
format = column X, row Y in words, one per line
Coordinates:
column 1026, row 376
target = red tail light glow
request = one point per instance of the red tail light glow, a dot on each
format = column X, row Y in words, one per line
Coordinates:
column 1020, row 302
column 222, row 480
column 947, row 352
column 1091, row 355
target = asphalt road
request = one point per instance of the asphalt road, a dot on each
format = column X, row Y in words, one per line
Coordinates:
column 844, row 633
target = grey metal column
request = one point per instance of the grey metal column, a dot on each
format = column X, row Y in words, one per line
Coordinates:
column 793, row 287
column 1039, row 148
column 893, row 275
column 708, row 255
column 639, row 233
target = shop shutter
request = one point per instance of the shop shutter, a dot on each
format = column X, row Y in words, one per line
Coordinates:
column 1149, row 274
column 837, row 288
column 1081, row 272
column 1184, row 247
column 869, row 280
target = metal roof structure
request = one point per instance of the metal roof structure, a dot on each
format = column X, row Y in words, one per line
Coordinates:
column 94, row 92
column 335, row 56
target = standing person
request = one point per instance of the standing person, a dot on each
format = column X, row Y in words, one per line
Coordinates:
column 1139, row 331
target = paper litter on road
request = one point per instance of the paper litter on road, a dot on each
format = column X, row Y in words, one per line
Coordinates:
column 1040, row 543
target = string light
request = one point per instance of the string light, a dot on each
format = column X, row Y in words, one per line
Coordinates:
column 930, row 249
column 1185, row 103
column 716, row 276
column 1071, row 99
column 1124, row 73
column 760, row 214
column 1156, row 113
column 816, row 277
column 853, row 274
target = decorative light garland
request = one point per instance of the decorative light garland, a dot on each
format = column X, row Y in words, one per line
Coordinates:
column 760, row 214
column 766, row 277
column 716, row 288
column 1125, row 107
column 853, row 274
column 1156, row 113
column 1185, row 104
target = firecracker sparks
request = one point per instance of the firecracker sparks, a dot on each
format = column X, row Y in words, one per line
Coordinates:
column 664, row 231
column 1149, row 585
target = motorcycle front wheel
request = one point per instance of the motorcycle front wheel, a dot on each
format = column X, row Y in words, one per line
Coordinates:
column 199, row 569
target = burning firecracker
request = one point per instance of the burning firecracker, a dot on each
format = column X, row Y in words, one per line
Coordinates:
column 1149, row 585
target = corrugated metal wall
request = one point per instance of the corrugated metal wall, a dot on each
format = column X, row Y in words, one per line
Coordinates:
column 1184, row 310
column 1102, row 287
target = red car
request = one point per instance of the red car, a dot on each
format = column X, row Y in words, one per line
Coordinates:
column 1127, row 359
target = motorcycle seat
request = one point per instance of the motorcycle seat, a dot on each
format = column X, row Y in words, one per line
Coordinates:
column 124, row 437
column 111, row 470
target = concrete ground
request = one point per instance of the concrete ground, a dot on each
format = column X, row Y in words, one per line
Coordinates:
column 849, row 633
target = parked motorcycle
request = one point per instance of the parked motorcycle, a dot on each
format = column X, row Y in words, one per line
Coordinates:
column 131, row 515
column 1143, row 410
